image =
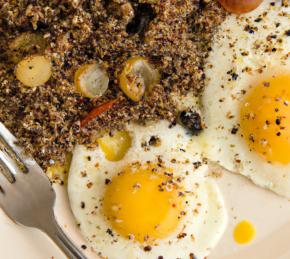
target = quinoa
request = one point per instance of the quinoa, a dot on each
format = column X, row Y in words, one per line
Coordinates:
column 174, row 35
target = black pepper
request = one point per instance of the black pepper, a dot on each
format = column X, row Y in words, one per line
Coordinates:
column 234, row 130
column 110, row 232
column 197, row 164
column 235, row 76
column 181, row 235
column 107, row 181
column 259, row 19
column 154, row 141
column 147, row 248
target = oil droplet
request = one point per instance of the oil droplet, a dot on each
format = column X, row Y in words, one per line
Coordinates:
column 244, row 232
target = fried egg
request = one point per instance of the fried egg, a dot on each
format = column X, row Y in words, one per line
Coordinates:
column 246, row 99
column 156, row 201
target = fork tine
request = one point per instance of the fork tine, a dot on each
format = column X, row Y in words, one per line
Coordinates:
column 4, row 186
column 6, row 190
column 8, row 167
column 7, row 141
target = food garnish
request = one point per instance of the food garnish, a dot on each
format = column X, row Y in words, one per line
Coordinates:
column 97, row 111
column 75, row 33
column 91, row 80
column 33, row 70
column 115, row 145
column 137, row 76
column 58, row 172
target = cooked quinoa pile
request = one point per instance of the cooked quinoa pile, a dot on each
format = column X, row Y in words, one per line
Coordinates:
column 174, row 35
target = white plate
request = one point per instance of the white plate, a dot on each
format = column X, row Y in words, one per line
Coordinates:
column 268, row 212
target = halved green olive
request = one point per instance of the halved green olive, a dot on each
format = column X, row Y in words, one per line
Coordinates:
column 91, row 80
column 137, row 76
column 33, row 70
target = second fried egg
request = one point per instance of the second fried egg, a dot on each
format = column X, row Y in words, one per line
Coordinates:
column 155, row 201
column 246, row 100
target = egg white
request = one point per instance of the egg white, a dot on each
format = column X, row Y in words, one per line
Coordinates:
column 206, row 216
column 246, row 49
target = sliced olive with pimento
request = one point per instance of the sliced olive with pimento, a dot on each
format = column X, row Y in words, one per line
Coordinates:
column 137, row 77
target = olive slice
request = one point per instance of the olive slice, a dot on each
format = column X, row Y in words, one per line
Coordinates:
column 91, row 80
column 137, row 76
column 33, row 70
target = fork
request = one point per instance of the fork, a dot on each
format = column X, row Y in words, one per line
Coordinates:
column 26, row 194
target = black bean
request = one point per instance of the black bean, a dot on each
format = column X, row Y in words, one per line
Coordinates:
column 192, row 121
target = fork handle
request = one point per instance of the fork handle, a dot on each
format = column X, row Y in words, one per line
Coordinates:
column 55, row 232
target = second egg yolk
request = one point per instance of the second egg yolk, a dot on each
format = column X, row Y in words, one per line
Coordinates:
column 142, row 205
column 265, row 119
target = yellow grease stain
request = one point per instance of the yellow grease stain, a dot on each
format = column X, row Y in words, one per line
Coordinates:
column 244, row 232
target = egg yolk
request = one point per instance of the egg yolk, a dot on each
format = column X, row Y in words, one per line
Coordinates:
column 143, row 205
column 265, row 119
column 244, row 232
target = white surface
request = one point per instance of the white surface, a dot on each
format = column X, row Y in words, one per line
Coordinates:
column 269, row 213
column 20, row 242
